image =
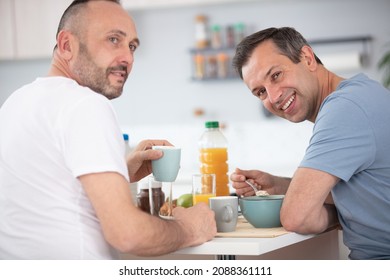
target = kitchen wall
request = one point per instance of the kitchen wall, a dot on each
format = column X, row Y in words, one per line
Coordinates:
column 163, row 65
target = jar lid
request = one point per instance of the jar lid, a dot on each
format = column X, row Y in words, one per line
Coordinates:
column 212, row 124
column 143, row 185
column 156, row 185
column 201, row 18
column 239, row 26
column 216, row 27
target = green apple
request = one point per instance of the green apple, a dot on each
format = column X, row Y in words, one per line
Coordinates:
column 185, row 200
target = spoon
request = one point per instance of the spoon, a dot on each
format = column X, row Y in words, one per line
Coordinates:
column 257, row 192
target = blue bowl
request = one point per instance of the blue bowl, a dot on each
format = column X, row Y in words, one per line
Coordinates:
column 262, row 211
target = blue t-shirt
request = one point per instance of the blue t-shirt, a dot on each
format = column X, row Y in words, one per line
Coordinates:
column 351, row 140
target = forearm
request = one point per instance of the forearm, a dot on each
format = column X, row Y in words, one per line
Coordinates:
column 305, row 207
column 281, row 184
column 158, row 237
column 128, row 229
column 323, row 221
column 125, row 227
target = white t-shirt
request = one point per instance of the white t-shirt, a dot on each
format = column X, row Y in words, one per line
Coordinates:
column 51, row 132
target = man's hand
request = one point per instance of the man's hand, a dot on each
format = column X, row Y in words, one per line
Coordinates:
column 139, row 160
column 198, row 222
column 263, row 181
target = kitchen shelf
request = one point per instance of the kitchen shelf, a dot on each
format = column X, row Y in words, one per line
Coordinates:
column 329, row 41
column 341, row 40
column 207, row 52
column 211, row 64
column 210, row 50
column 229, row 78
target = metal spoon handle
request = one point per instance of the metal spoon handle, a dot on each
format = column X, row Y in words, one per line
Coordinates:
column 253, row 186
column 257, row 192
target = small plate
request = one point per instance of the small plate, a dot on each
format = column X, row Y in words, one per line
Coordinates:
column 167, row 217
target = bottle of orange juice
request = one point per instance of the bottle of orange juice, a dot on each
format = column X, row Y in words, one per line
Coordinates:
column 213, row 156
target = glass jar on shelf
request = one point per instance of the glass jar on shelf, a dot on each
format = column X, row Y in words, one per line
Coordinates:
column 223, row 65
column 201, row 35
column 212, row 67
column 230, row 38
column 199, row 66
column 216, row 38
column 239, row 32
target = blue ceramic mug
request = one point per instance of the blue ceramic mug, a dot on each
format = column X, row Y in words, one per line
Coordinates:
column 166, row 168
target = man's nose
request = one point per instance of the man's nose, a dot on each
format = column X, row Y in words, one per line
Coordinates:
column 274, row 95
column 127, row 56
column 127, row 59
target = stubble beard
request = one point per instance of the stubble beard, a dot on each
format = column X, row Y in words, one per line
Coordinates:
column 93, row 76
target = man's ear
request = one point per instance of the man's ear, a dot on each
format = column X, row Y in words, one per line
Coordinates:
column 307, row 57
column 66, row 44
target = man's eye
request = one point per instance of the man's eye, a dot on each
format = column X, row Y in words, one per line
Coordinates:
column 132, row 47
column 276, row 75
column 114, row 40
column 261, row 93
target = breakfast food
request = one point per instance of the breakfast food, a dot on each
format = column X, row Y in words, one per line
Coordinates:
column 262, row 193
column 185, row 200
column 164, row 210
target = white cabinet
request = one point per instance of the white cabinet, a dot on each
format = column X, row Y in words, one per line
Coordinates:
column 7, row 44
column 36, row 25
column 30, row 27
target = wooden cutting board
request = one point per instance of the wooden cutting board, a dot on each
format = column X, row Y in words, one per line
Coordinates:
column 246, row 230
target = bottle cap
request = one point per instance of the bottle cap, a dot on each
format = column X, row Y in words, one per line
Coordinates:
column 126, row 137
column 212, row 124
column 239, row 26
column 201, row 18
column 215, row 27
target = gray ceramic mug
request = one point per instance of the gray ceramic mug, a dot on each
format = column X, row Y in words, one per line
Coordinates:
column 226, row 212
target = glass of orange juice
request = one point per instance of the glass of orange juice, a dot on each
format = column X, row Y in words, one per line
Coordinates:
column 203, row 187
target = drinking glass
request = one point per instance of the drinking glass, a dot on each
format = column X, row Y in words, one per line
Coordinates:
column 165, row 170
column 203, row 187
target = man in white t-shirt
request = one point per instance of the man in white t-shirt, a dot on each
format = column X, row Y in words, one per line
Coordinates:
column 64, row 183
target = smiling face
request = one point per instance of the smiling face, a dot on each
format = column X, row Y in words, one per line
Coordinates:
column 105, row 49
column 286, row 89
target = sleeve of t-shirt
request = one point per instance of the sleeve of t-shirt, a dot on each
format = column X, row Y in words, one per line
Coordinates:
column 342, row 143
column 92, row 138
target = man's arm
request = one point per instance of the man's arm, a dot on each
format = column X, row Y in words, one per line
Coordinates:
column 128, row 229
column 305, row 209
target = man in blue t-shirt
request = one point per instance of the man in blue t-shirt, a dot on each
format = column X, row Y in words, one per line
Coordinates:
column 345, row 174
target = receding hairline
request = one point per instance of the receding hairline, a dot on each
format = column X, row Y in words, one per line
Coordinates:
column 71, row 16
column 76, row 14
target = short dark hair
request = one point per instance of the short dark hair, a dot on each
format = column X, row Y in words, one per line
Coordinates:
column 72, row 10
column 288, row 41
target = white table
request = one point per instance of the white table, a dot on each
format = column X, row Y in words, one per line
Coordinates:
column 229, row 248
